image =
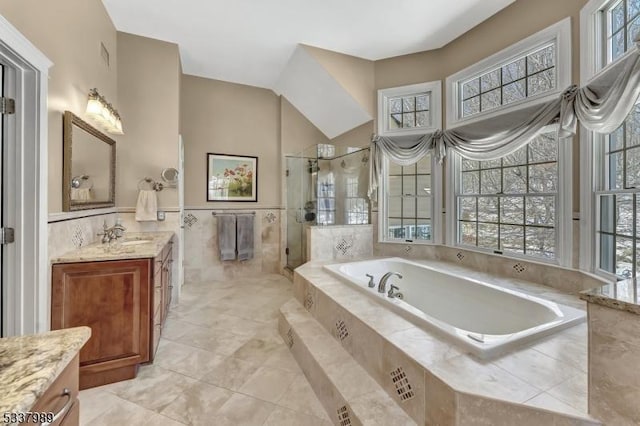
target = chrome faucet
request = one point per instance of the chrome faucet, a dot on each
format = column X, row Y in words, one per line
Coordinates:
column 110, row 234
column 382, row 286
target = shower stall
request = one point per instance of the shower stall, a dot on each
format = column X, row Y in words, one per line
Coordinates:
column 326, row 185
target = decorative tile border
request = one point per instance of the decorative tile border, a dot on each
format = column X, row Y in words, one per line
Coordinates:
column 519, row 268
column 289, row 339
column 343, row 416
column 341, row 330
column 78, row 236
column 190, row 220
column 401, row 382
column 308, row 301
column 344, row 246
column 460, row 256
column 270, row 217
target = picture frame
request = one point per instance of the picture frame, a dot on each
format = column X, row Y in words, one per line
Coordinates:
column 232, row 178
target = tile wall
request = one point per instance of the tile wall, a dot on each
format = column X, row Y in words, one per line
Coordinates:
column 202, row 259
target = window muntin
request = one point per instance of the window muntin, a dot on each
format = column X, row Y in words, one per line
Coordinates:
column 530, row 75
column 622, row 22
column 617, row 236
column 356, row 207
column 409, row 111
column 408, row 201
column 510, row 205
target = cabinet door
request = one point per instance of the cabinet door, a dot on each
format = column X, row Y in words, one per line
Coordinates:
column 113, row 299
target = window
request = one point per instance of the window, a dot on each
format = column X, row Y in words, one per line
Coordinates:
column 617, row 232
column 527, row 76
column 326, row 199
column 622, row 22
column 409, row 110
column 356, row 207
column 610, row 179
column 408, row 202
column 510, row 205
column 531, row 71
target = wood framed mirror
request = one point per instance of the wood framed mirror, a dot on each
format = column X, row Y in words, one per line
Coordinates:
column 89, row 166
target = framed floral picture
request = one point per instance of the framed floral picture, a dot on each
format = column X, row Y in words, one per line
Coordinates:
column 232, row 177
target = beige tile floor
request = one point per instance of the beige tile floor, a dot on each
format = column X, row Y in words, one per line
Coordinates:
column 220, row 362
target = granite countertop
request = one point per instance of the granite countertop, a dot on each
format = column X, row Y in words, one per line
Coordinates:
column 134, row 245
column 621, row 295
column 29, row 364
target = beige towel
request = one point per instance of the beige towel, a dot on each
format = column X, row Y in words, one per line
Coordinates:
column 147, row 207
column 81, row 194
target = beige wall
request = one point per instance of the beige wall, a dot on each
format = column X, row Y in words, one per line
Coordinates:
column 358, row 137
column 148, row 91
column 69, row 33
column 297, row 133
column 355, row 75
column 228, row 118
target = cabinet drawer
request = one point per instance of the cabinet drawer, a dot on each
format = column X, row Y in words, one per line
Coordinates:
column 62, row 396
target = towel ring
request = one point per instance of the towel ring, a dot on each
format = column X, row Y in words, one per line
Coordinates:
column 149, row 184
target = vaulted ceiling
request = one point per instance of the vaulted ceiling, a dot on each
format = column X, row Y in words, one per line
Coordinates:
column 251, row 41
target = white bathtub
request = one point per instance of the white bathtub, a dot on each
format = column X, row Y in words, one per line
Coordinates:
column 484, row 318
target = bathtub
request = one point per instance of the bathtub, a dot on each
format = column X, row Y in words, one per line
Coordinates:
column 485, row 319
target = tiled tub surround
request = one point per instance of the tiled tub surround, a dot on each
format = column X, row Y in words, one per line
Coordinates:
column 339, row 242
column 202, row 257
column 545, row 382
column 484, row 319
column 29, row 364
column 614, row 352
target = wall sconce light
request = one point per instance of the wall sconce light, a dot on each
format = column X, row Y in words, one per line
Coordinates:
column 102, row 111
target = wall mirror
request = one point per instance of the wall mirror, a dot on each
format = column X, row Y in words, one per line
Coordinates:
column 88, row 180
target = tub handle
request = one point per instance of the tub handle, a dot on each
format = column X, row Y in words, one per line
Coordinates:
column 371, row 283
column 391, row 292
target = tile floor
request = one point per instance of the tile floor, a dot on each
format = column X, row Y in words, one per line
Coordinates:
column 220, row 362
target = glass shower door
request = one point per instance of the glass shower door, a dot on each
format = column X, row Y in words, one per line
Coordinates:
column 295, row 212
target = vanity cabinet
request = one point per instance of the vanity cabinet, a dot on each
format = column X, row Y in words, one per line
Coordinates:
column 61, row 398
column 124, row 302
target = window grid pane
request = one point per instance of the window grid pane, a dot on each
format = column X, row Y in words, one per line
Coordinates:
column 511, row 208
column 622, row 23
column 409, row 111
column 618, row 226
column 409, row 207
column 530, row 75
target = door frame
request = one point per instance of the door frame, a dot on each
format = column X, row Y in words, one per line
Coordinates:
column 27, row 293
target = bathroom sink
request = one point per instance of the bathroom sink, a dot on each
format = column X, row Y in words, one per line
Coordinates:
column 135, row 242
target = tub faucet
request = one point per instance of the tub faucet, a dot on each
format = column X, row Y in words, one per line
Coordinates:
column 371, row 284
column 382, row 286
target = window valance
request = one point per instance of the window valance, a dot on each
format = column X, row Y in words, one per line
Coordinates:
column 600, row 106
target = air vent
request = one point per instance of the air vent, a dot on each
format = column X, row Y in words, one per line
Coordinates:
column 401, row 382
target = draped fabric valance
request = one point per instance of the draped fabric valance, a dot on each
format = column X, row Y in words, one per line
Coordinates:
column 601, row 106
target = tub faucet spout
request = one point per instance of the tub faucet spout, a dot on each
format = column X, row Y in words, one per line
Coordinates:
column 382, row 286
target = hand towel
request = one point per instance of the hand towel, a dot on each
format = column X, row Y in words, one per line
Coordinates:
column 81, row 194
column 227, row 236
column 147, row 206
column 245, row 236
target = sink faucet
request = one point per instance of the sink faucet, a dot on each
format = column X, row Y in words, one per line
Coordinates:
column 110, row 234
column 383, row 281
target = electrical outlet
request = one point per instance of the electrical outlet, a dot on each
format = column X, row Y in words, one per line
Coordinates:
column 161, row 215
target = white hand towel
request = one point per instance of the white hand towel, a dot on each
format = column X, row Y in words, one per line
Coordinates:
column 81, row 194
column 147, row 207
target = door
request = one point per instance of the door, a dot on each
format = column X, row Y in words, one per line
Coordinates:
column 3, row 298
column 295, row 212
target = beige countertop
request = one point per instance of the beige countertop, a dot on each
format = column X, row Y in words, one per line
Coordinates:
column 29, row 364
column 621, row 295
column 132, row 245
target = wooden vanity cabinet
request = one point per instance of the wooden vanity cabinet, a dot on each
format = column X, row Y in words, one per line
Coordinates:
column 161, row 297
column 124, row 302
column 61, row 398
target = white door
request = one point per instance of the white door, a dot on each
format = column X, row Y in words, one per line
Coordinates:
column 3, row 281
